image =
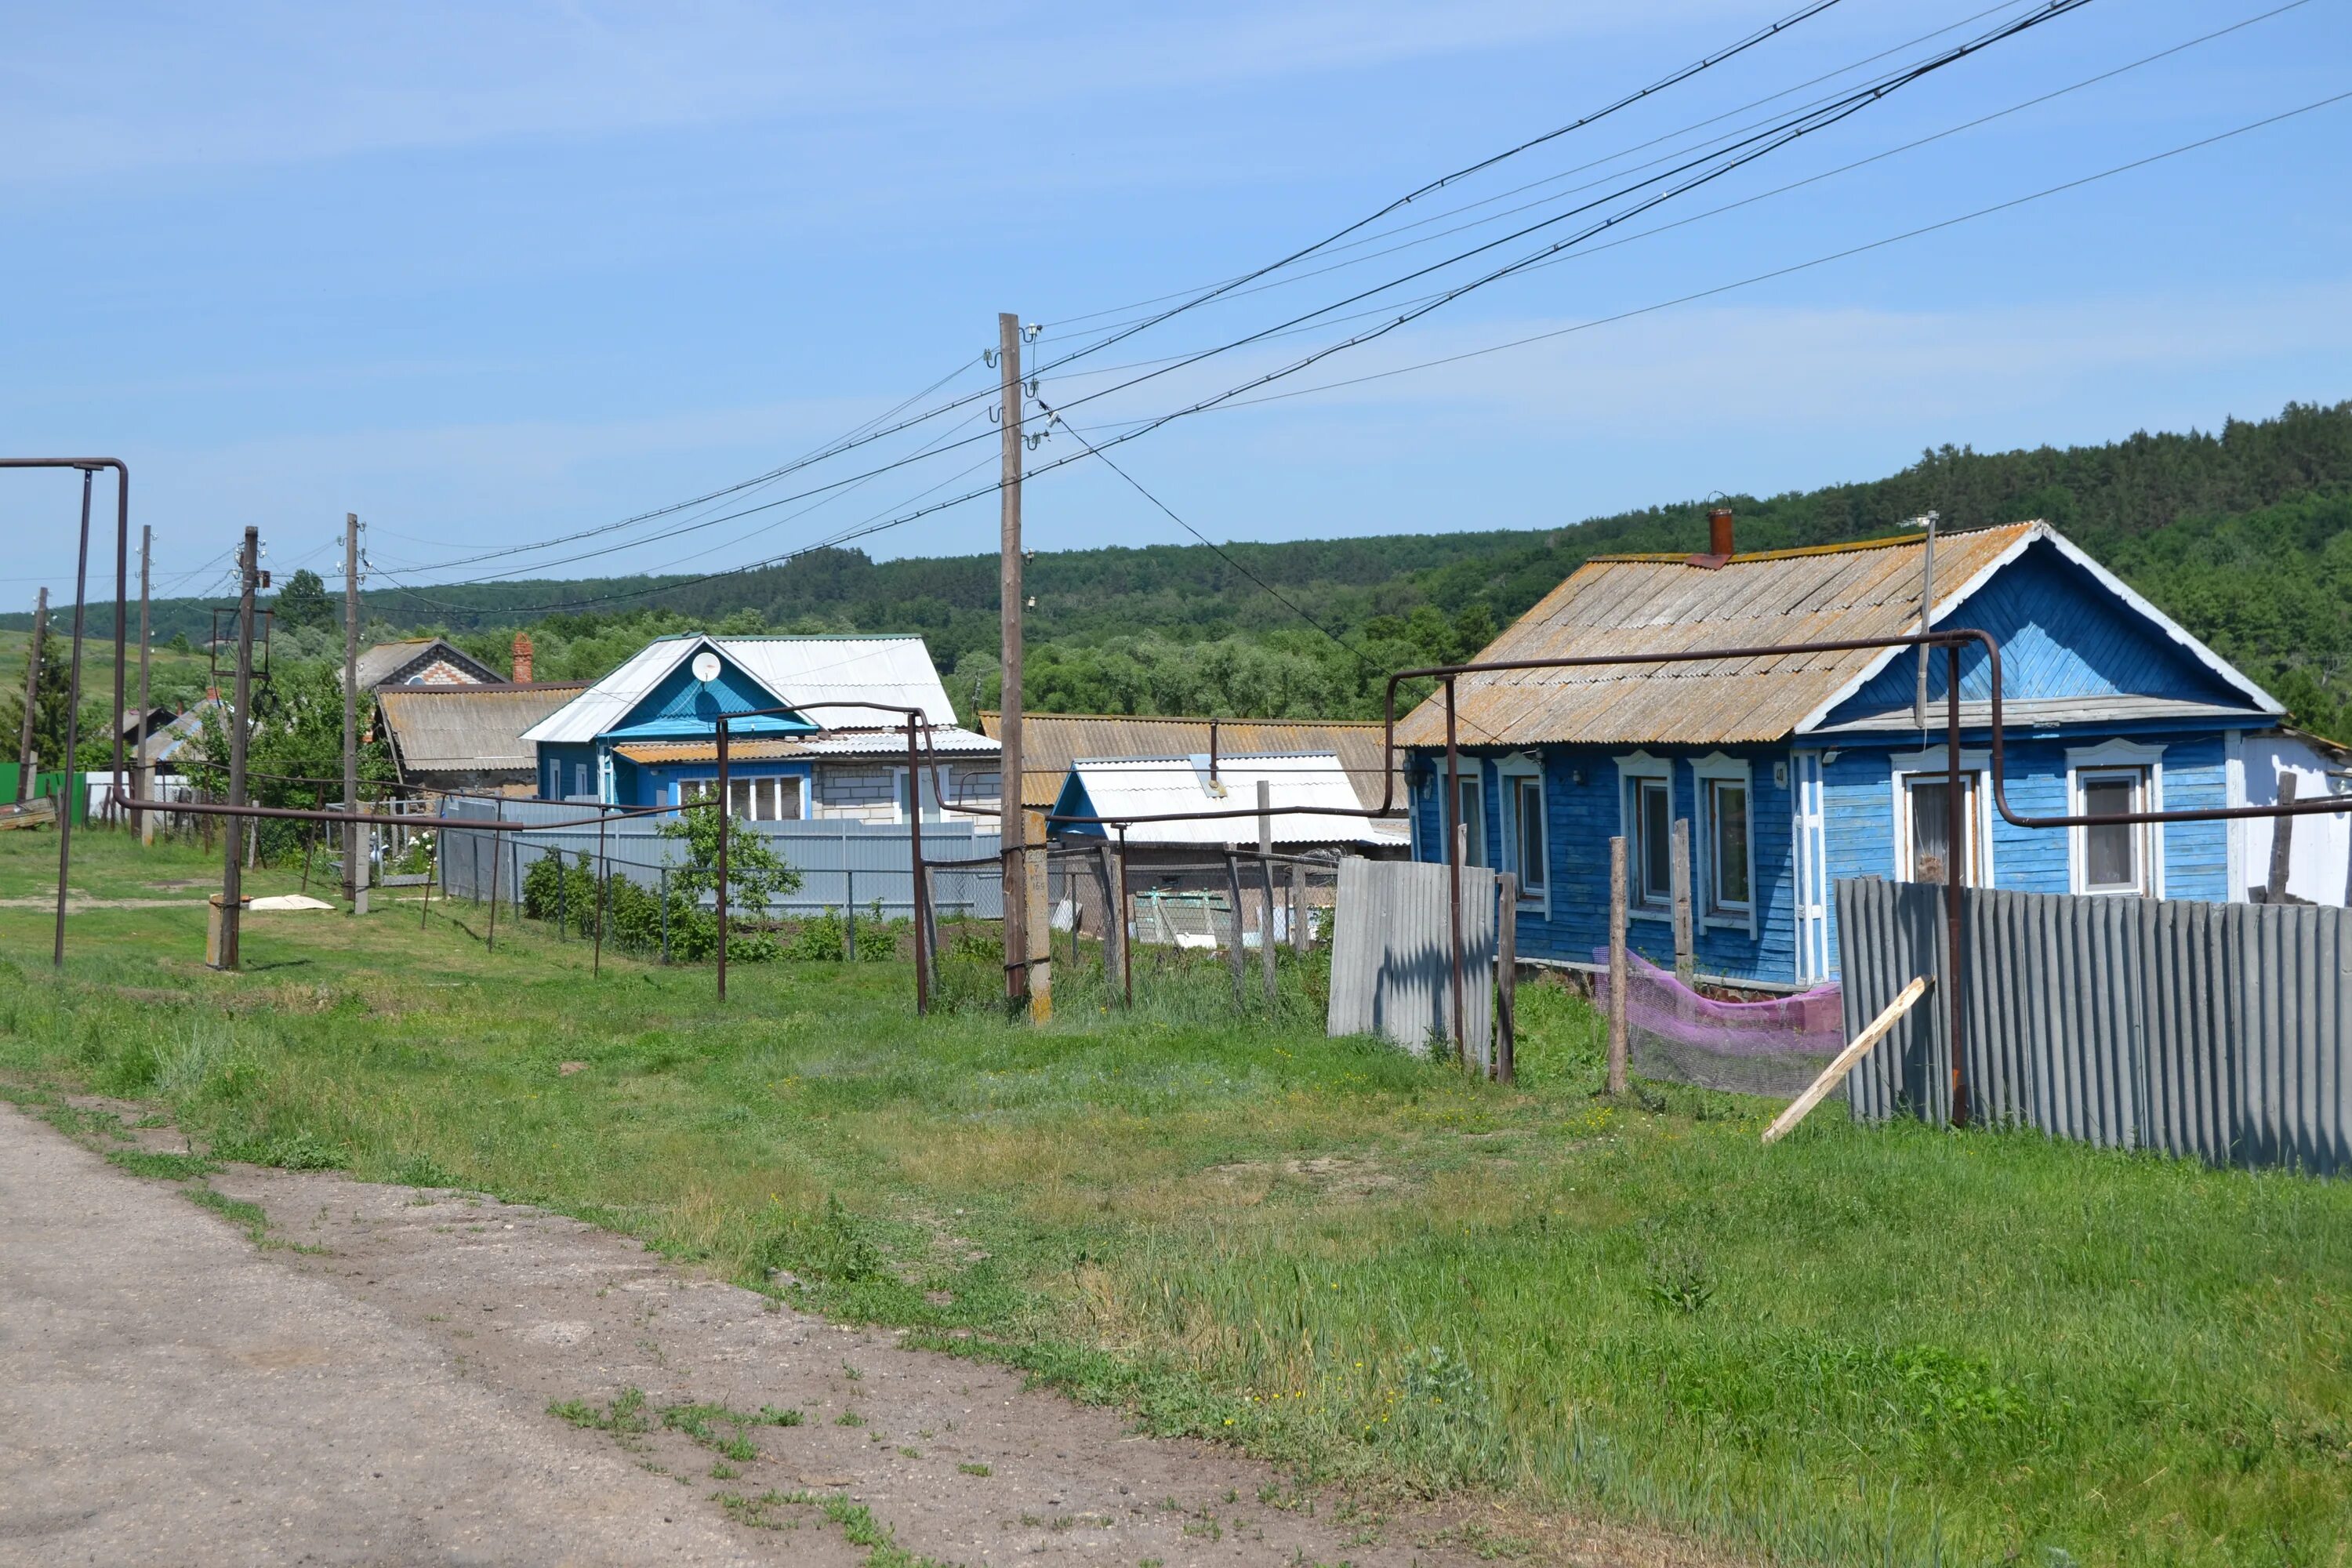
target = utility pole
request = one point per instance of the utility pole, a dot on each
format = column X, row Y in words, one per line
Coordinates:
column 248, row 571
column 1926, row 613
column 139, row 750
column 1013, row 817
column 355, row 876
column 32, row 695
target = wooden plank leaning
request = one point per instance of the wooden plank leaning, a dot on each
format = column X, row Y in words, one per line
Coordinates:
column 1835, row 1074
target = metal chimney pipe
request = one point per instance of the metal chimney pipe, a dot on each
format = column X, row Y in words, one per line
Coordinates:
column 1719, row 531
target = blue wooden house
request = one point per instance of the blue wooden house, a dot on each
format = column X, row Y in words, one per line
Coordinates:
column 646, row 734
column 1796, row 770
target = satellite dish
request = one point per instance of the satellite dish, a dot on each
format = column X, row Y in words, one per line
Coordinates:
column 706, row 666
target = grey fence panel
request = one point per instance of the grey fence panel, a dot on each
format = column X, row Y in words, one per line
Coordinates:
column 2296, row 995
column 1392, row 954
column 2195, row 1090
column 1906, row 1074
column 2222, row 1032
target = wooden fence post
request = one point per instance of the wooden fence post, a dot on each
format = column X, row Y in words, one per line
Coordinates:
column 1618, row 968
column 1265, row 875
column 1039, row 930
column 1298, row 942
column 1234, row 895
column 1507, row 977
column 1114, row 917
column 1686, row 958
column 2282, row 842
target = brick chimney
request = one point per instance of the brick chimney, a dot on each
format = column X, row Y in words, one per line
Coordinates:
column 522, row 658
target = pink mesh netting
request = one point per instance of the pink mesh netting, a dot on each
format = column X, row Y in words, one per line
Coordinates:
column 1770, row 1047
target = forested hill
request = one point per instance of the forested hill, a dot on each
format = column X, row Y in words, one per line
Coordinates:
column 2244, row 535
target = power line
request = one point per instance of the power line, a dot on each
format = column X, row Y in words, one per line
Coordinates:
column 1805, row 123
column 1805, row 12
column 1850, row 66
column 1096, row 450
column 859, row 438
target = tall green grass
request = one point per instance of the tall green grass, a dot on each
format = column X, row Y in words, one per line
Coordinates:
column 1897, row 1345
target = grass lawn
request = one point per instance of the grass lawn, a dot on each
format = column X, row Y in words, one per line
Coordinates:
column 1897, row 1344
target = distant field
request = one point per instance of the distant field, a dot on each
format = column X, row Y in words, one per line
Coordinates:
column 1903, row 1345
column 170, row 675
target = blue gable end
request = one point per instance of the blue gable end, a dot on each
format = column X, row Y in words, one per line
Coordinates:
column 2063, row 634
column 682, row 708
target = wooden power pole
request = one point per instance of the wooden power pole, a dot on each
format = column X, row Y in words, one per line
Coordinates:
column 248, row 571
column 354, row 874
column 25, row 758
column 1013, row 820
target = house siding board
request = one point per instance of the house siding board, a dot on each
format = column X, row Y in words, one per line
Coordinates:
column 2062, row 636
column 1580, row 819
column 1859, row 801
column 560, row 771
column 680, row 702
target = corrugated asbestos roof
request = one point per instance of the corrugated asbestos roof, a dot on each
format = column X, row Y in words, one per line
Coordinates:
column 1651, row 603
column 891, row 744
column 1147, row 786
column 1050, row 743
column 896, row 670
column 468, row 728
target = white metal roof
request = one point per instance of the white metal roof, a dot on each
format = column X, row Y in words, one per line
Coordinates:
column 1149, row 787
column 797, row 671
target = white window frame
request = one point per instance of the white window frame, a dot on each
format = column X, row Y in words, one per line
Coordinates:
column 2115, row 757
column 1635, row 770
column 1470, row 773
column 702, row 785
column 1706, row 771
column 1928, row 767
column 1512, row 772
column 936, row 811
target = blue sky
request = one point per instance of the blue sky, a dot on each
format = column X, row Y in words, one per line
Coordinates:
column 490, row 275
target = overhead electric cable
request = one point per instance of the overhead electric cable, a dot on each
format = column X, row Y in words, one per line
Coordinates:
column 1805, row 123
column 1749, row 281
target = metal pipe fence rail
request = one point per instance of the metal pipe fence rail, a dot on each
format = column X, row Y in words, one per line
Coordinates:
column 2218, row 1031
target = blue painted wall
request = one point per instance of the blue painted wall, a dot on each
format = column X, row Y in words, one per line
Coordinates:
column 566, row 770
column 1580, row 819
column 2062, row 633
column 1859, row 802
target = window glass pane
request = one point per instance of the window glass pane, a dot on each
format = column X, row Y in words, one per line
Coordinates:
column 1657, row 847
column 2111, row 851
column 739, row 797
column 1730, row 814
column 1531, row 834
column 1931, row 828
column 1473, row 817
column 788, row 800
column 1930, row 831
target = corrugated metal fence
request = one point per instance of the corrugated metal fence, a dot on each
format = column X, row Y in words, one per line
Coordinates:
column 1392, row 954
column 2219, row 1030
column 843, row 864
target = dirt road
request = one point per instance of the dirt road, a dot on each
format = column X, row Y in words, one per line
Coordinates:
column 372, row 1384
